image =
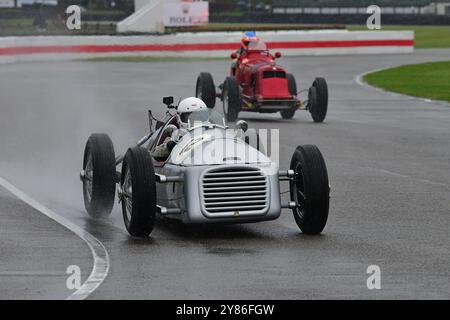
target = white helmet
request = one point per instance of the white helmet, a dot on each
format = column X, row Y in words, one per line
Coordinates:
column 188, row 106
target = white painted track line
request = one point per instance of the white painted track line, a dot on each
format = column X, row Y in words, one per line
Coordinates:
column 100, row 255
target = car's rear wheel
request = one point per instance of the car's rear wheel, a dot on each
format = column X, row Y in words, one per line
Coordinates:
column 292, row 87
column 318, row 100
column 310, row 189
column 138, row 192
column 288, row 113
column 205, row 89
column 231, row 99
column 99, row 175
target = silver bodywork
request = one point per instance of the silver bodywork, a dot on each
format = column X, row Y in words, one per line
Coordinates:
column 217, row 177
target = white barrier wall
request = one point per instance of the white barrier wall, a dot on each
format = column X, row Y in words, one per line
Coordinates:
column 290, row 43
column 147, row 18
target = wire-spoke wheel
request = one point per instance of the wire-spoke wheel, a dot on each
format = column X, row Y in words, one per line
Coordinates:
column 127, row 194
column 299, row 191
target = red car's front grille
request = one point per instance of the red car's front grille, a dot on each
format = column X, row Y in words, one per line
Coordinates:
column 274, row 88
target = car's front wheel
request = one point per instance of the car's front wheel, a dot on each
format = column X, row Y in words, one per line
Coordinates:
column 99, row 175
column 310, row 189
column 138, row 192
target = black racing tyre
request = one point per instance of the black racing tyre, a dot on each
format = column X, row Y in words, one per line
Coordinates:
column 205, row 89
column 318, row 100
column 288, row 113
column 292, row 84
column 231, row 99
column 138, row 192
column 99, row 175
column 310, row 189
column 292, row 87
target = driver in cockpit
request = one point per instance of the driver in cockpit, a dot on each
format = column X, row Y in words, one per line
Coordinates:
column 249, row 36
column 174, row 134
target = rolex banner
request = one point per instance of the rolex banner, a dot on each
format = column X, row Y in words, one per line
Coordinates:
column 178, row 14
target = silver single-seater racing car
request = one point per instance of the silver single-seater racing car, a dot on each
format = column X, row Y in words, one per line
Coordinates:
column 195, row 168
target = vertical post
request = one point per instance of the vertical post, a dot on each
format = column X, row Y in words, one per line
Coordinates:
column 150, row 121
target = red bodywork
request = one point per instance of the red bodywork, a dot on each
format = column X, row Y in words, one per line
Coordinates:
column 264, row 84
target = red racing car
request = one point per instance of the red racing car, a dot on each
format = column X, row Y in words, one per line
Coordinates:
column 257, row 84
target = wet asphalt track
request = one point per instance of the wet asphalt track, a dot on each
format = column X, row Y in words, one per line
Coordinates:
column 389, row 165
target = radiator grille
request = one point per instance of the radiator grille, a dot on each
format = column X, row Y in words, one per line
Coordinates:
column 274, row 74
column 236, row 191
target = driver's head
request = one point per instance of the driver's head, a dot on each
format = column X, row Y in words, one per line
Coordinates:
column 189, row 106
column 248, row 37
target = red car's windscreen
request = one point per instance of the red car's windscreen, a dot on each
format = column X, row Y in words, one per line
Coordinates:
column 257, row 46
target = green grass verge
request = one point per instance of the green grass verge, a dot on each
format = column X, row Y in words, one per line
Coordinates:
column 426, row 37
column 427, row 80
column 151, row 59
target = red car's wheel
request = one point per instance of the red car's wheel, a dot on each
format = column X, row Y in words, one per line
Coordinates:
column 292, row 86
column 318, row 100
column 231, row 99
column 205, row 89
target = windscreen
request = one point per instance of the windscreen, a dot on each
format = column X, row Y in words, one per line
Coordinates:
column 205, row 117
column 257, row 46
